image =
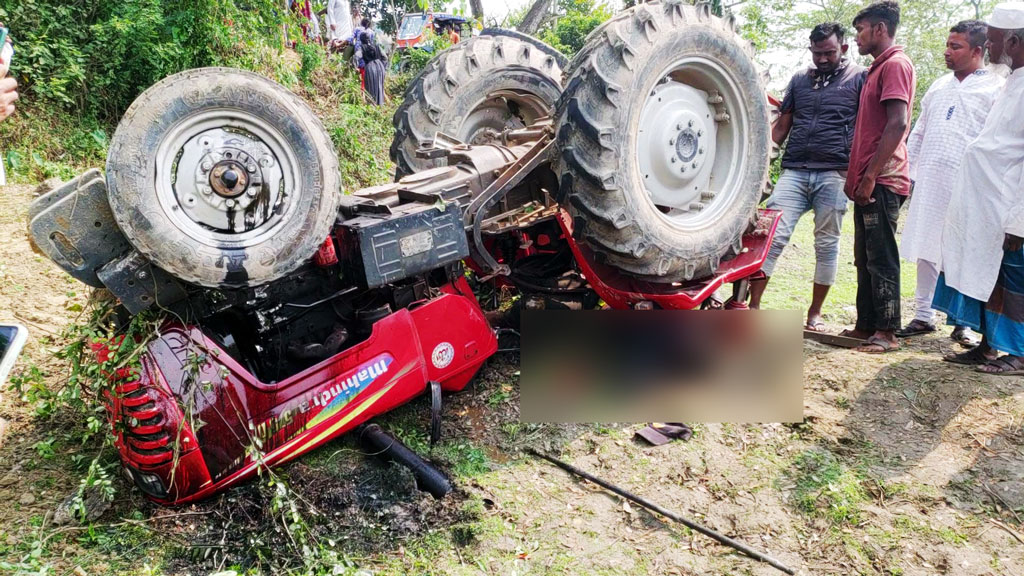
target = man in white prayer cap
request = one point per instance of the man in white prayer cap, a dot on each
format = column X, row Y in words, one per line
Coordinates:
column 982, row 279
column 953, row 112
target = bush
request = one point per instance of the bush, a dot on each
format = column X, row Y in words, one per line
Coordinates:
column 579, row 19
column 80, row 65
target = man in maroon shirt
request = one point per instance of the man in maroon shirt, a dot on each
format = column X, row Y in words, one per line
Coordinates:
column 879, row 178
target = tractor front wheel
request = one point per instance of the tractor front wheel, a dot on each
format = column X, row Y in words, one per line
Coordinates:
column 664, row 141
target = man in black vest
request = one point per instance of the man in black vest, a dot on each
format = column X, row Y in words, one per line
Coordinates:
column 818, row 115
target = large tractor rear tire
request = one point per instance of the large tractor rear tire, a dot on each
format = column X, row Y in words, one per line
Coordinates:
column 664, row 140
column 223, row 178
column 473, row 91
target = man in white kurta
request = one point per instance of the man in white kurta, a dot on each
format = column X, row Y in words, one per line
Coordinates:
column 953, row 112
column 339, row 20
column 982, row 279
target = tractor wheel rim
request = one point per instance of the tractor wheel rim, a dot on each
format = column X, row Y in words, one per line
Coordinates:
column 226, row 178
column 690, row 146
column 499, row 111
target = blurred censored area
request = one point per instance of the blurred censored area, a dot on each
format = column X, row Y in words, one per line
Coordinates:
column 661, row 366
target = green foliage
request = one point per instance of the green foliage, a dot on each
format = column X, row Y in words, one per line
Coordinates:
column 80, row 64
column 577, row 19
column 825, row 487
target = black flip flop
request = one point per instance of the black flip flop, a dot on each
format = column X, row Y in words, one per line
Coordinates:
column 915, row 328
column 973, row 357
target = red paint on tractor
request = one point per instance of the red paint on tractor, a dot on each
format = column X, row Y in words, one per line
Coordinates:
column 192, row 422
column 621, row 292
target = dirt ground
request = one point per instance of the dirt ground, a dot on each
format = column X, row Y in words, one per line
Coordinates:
column 904, row 465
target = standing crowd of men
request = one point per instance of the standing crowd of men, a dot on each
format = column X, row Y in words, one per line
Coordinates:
column 850, row 138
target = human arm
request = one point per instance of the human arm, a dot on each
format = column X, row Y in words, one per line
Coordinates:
column 897, row 94
column 916, row 139
column 781, row 128
column 1013, row 222
column 895, row 127
column 331, row 18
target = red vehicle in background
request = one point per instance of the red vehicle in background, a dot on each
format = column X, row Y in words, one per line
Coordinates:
column 413, row 31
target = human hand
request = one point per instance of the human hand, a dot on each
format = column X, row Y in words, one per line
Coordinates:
column 8, row 94
column 862, row 195
column 1012, row 243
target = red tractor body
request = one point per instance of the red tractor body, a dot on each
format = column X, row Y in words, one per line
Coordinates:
column 186, row 434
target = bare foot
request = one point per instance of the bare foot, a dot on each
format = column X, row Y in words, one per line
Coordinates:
column 855, row 333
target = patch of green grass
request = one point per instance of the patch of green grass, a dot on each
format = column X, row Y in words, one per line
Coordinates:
column 827, row 488
column 908, row 525
column 503, row 393
column 790, row 287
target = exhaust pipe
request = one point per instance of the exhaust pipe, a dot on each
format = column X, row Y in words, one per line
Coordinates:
column 380, row 443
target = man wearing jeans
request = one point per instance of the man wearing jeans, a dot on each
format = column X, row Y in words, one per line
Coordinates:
column 879, row 178
column 818, row 114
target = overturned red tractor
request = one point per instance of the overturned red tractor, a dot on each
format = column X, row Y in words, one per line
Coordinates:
column 295, row 313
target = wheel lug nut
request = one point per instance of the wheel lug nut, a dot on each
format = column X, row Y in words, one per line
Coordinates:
column 700, row 151
column 700, row 133
column 206, row 166
column 229, row 203
column 672, row 142
column 679, row 126
column 252, row 191
column 672, row 159
column 694, row 165
column 682, row 169
column 690, row 124
column 251, row 168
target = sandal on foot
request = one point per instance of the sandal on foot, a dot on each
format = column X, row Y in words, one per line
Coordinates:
column 965, row 337
column 878, row 345
column 852, row 333
column 915, row 328
column 816, row 326
column 973, row 357
column 1005, row 366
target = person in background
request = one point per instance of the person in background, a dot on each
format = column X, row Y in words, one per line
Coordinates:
column 8, row 95
column 302, row 11
column 818, row 114
column 953, row 112
column 339, row 23
column 879, row 178
column 365, row 28
column 982, row 280
column 375, row 69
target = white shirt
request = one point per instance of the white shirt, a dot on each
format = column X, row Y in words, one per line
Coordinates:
column 952, row 114
column 988, row 197
column 339, row 15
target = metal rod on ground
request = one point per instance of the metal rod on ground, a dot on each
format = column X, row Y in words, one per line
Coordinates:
column 652, row 506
